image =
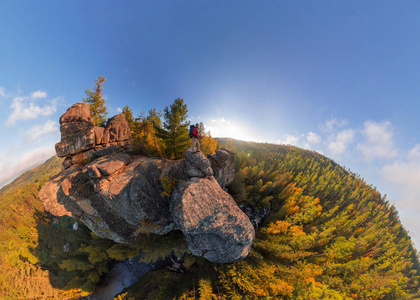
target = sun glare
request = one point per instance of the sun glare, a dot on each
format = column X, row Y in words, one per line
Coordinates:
column 224, row 128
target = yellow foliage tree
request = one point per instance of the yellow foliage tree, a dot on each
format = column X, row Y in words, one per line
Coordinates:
column 207, row 144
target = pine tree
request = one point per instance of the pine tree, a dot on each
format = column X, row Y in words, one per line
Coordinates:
column 96, row 101
column 128, row 113
column 175, row 130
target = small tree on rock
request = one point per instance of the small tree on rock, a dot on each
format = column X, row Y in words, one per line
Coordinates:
column 128, row 113
column 96, row 101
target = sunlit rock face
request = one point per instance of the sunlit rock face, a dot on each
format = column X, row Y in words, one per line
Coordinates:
column 119, row 196
column 77, row 131
column 79, row 137
column 213, row 224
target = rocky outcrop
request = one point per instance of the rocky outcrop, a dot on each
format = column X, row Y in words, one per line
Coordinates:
column 223, row 164
column 79, row 137
column 119, row 196
column 116, row 131
column 213, row 224
column 77, row 131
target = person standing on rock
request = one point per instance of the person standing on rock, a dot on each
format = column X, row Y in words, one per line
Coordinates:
column 195, row 137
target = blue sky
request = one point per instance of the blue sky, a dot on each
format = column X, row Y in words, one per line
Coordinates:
column 338, row 77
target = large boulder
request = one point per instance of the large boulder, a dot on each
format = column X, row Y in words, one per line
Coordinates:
column 79, row 112
column 116, row 196
column 116, row 130
column 212, row 222
column 196, row 164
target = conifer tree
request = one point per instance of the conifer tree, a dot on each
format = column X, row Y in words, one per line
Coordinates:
column 175, row 129
column 96, row 101
column 128, row 113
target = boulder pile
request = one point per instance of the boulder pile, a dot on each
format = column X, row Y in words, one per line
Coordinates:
column 79, row 137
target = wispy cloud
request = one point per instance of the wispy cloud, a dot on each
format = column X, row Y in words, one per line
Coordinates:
column 2, row 92
column 25, row 109
column 38, row 95
column 379, row 141
column 333, row 124
column 37, row 131
column 341, row 141
column 289, row 139
column 11, row 169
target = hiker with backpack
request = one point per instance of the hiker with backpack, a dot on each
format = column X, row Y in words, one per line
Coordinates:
column 194, row 134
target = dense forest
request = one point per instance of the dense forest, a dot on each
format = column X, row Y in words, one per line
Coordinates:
column 324, row 233
column 328, row 235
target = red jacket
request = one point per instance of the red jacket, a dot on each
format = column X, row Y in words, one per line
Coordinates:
column 195, row 133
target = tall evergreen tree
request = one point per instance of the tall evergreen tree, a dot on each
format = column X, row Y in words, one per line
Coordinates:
column 96, row 101
column 175, row 129
column 128, row 113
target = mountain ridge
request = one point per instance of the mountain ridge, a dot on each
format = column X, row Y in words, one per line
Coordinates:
column 36, row 174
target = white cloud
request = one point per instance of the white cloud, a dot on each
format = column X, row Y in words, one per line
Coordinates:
column 2, row 92
column 341, row 141
column 26, row 162
column 38, row 131
column 379, row 141
column 313, row 138
column 405, row 173
column 289, row 139
column 119, row 110
column 38, row 95
column 404, row 177
column 24, row 109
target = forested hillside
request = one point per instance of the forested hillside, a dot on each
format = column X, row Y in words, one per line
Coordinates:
column 329, row 235
column 20, row 213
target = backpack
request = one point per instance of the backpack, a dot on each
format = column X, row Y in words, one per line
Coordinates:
column 191, row 131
